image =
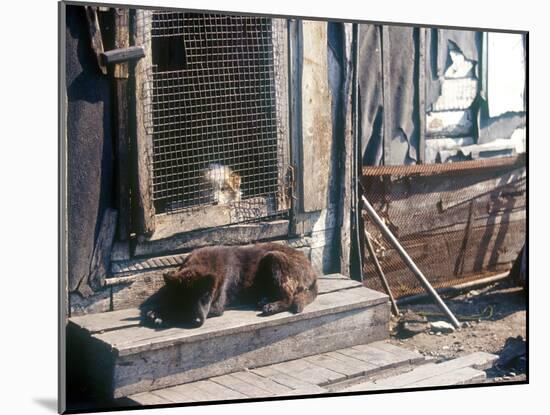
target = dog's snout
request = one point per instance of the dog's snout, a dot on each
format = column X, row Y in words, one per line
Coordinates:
column 197, row 322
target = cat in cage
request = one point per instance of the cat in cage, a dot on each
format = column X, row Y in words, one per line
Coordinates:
column 224, row 183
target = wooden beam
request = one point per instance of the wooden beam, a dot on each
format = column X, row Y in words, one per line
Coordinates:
column 316, row 117
column 347, row 155
column 145, row 217
column 422, row 62
column 120, row 74
column 122, row 55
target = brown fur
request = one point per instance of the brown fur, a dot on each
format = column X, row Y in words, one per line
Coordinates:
column 275, row 277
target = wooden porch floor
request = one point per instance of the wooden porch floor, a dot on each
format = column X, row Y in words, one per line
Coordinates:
column 375, row 366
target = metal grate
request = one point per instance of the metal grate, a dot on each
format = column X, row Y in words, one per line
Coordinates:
column 215, row 104
column 457, row 226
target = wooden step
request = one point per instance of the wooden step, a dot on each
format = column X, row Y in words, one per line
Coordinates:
column 127, row 358
column 311, row 375
column 459, row 371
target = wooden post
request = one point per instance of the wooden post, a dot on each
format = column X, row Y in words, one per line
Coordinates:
column 347, row 155
column 145, row 211
column 120, row 74
column 316, row 117
column 422, row 94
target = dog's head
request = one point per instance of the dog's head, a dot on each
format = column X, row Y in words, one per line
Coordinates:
column 193, row 291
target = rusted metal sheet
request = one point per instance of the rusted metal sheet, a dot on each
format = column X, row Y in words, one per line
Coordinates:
column 430, row 169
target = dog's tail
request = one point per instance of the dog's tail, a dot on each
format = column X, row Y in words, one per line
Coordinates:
column 303, row 298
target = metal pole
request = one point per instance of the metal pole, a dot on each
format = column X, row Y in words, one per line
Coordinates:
column 407, row 259
column 380, row 273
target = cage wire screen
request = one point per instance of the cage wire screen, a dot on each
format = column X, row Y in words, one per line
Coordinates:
column 216, row 112
column 470, row 225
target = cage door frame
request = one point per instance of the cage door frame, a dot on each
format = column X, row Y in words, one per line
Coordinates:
column 159, row 225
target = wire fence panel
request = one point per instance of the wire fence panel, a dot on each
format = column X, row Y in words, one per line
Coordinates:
column 457, row 226
column 216, row 108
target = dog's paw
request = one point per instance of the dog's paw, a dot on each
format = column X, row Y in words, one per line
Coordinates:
column 154, row 318
column 270, row 308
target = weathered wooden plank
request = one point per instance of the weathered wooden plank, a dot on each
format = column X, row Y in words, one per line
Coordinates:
column 195, row 392
column 478, row 360
column 99, row 302
column 263, row 382
column 236, row 384
column 309, row 372
column 349, row 298
column 170, row 395
column 374, row 356
column 148, row 398
column 449, row 123
column 335, row 282
column 316, row 116
column 465, row 375
column 360, row 365
column 122, row 39
column 211, row 216
column 231, row 235
column 137, row 339
column 310, row 390
column 101, row 258
column 422, row 66
column 145, row 217
column 347, row 155
column 335, row 365
column 291, row 382
column 399, row 352
column 134, row 293
column 186, row 362
column 122, row 132
column 219, row 391
column 280, row 72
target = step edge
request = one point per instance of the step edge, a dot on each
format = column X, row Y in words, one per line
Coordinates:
column 122, row 350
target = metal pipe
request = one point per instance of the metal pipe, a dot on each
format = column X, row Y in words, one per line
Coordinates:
column 455, row 289
column 408, row 261
column 381, row 275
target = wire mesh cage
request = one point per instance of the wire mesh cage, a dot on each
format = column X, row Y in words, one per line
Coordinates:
column 456, row 226
column 215, row 100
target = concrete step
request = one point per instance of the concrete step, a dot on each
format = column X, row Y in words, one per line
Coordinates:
column 125, row 358
column 316, row 374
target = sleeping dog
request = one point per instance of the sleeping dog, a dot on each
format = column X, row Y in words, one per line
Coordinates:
column 275, row 277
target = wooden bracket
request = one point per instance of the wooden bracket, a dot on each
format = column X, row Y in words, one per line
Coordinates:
column 122, row 55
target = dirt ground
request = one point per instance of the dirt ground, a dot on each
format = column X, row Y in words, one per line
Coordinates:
column 492, row 315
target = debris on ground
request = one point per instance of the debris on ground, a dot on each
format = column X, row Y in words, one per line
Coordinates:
column 411, row 323
column 493, row 320
column 441, row 327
